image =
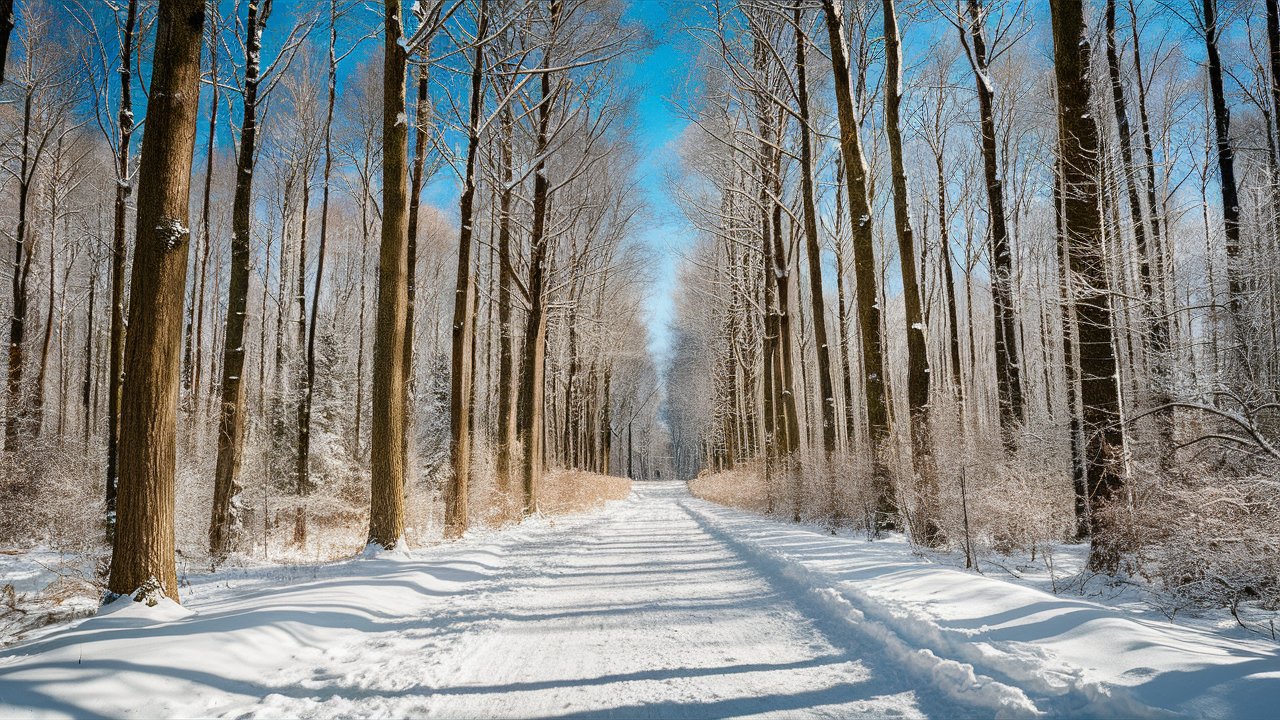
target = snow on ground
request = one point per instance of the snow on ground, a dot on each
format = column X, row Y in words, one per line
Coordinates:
column 661, row 605
column 41, row 588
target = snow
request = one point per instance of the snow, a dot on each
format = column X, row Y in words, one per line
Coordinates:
column 660, row 605
column 171, row 231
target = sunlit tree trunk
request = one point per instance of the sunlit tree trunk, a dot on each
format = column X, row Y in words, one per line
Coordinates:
column 455, row 515
column 386, row 513
column 864, row 262
column 1008, row 367
column 231, row 414
column 144, row 540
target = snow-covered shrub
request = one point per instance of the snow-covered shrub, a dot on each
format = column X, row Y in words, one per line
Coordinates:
column 1204, row 532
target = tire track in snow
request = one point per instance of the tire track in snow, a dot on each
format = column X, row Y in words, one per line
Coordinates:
column 1021, row 681
column 636, row 611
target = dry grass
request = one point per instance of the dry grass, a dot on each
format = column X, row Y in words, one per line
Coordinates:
column 742, row 488
column 568, row 491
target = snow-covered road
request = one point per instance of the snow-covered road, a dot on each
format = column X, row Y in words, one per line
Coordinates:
column 658, row 606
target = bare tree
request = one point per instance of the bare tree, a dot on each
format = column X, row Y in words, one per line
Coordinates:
column 143, row 553
column 231, row 420
column 1082, row 226
column 873, row 377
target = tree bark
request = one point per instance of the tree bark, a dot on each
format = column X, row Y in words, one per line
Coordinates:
column 455, row 514
column 1008, row 367
column 1227, row 182
column 1082, row 226
column 533, row 367
column 825, row 386
column 506, row 406
column 37, row 403
column 15, row 409
column 386, row 514
column 415, row 197
column 864, row 263
column 206, row 236
column 231, row 414
column 118, row 255
column 86, row 391
column 144, row 541
column 928, row 532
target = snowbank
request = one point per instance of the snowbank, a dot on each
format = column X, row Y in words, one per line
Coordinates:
column 1067, row 656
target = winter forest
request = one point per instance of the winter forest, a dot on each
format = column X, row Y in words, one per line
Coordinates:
column 364, row 357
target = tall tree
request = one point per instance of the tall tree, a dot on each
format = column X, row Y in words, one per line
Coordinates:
column 1227, row 182
column 917, row 353
column 460, row 373
column 144, row 541
column 231, row 414
column 866, row 294
column 825, row 387
column 386, row 515
column 1008, row 368
column 506, row 356
column 1082, row 226
column 533, row 366
column 124, row 186
column 206, row 238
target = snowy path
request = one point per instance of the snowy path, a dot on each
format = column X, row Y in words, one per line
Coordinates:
column 658, row 606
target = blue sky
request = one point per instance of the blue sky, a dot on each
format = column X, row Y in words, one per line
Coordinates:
column 661, row 69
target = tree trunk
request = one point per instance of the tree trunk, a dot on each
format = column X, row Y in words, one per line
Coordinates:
column 533, row 367
column 928, row 532
column 842, row 312
column 37, row 403
column 864, row 264
column 86, row 388
column 953, row 320
column 506, row 406
column 1082, row 226
column 118, row 256
column 460, row 374
column 1008, row 367
column 16, row 408
column 386, row 514
column 825, row 387
column 207, row 236
column 1160, row 329
column 300, row 485
column 144, row 539
column 231, row 414
column 415, row 197
column 307, row 395
column 1227, row 181
column 6, row 28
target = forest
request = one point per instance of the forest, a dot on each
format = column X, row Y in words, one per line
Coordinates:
column 310, row 354
column 291, row 280
column 996, row 275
